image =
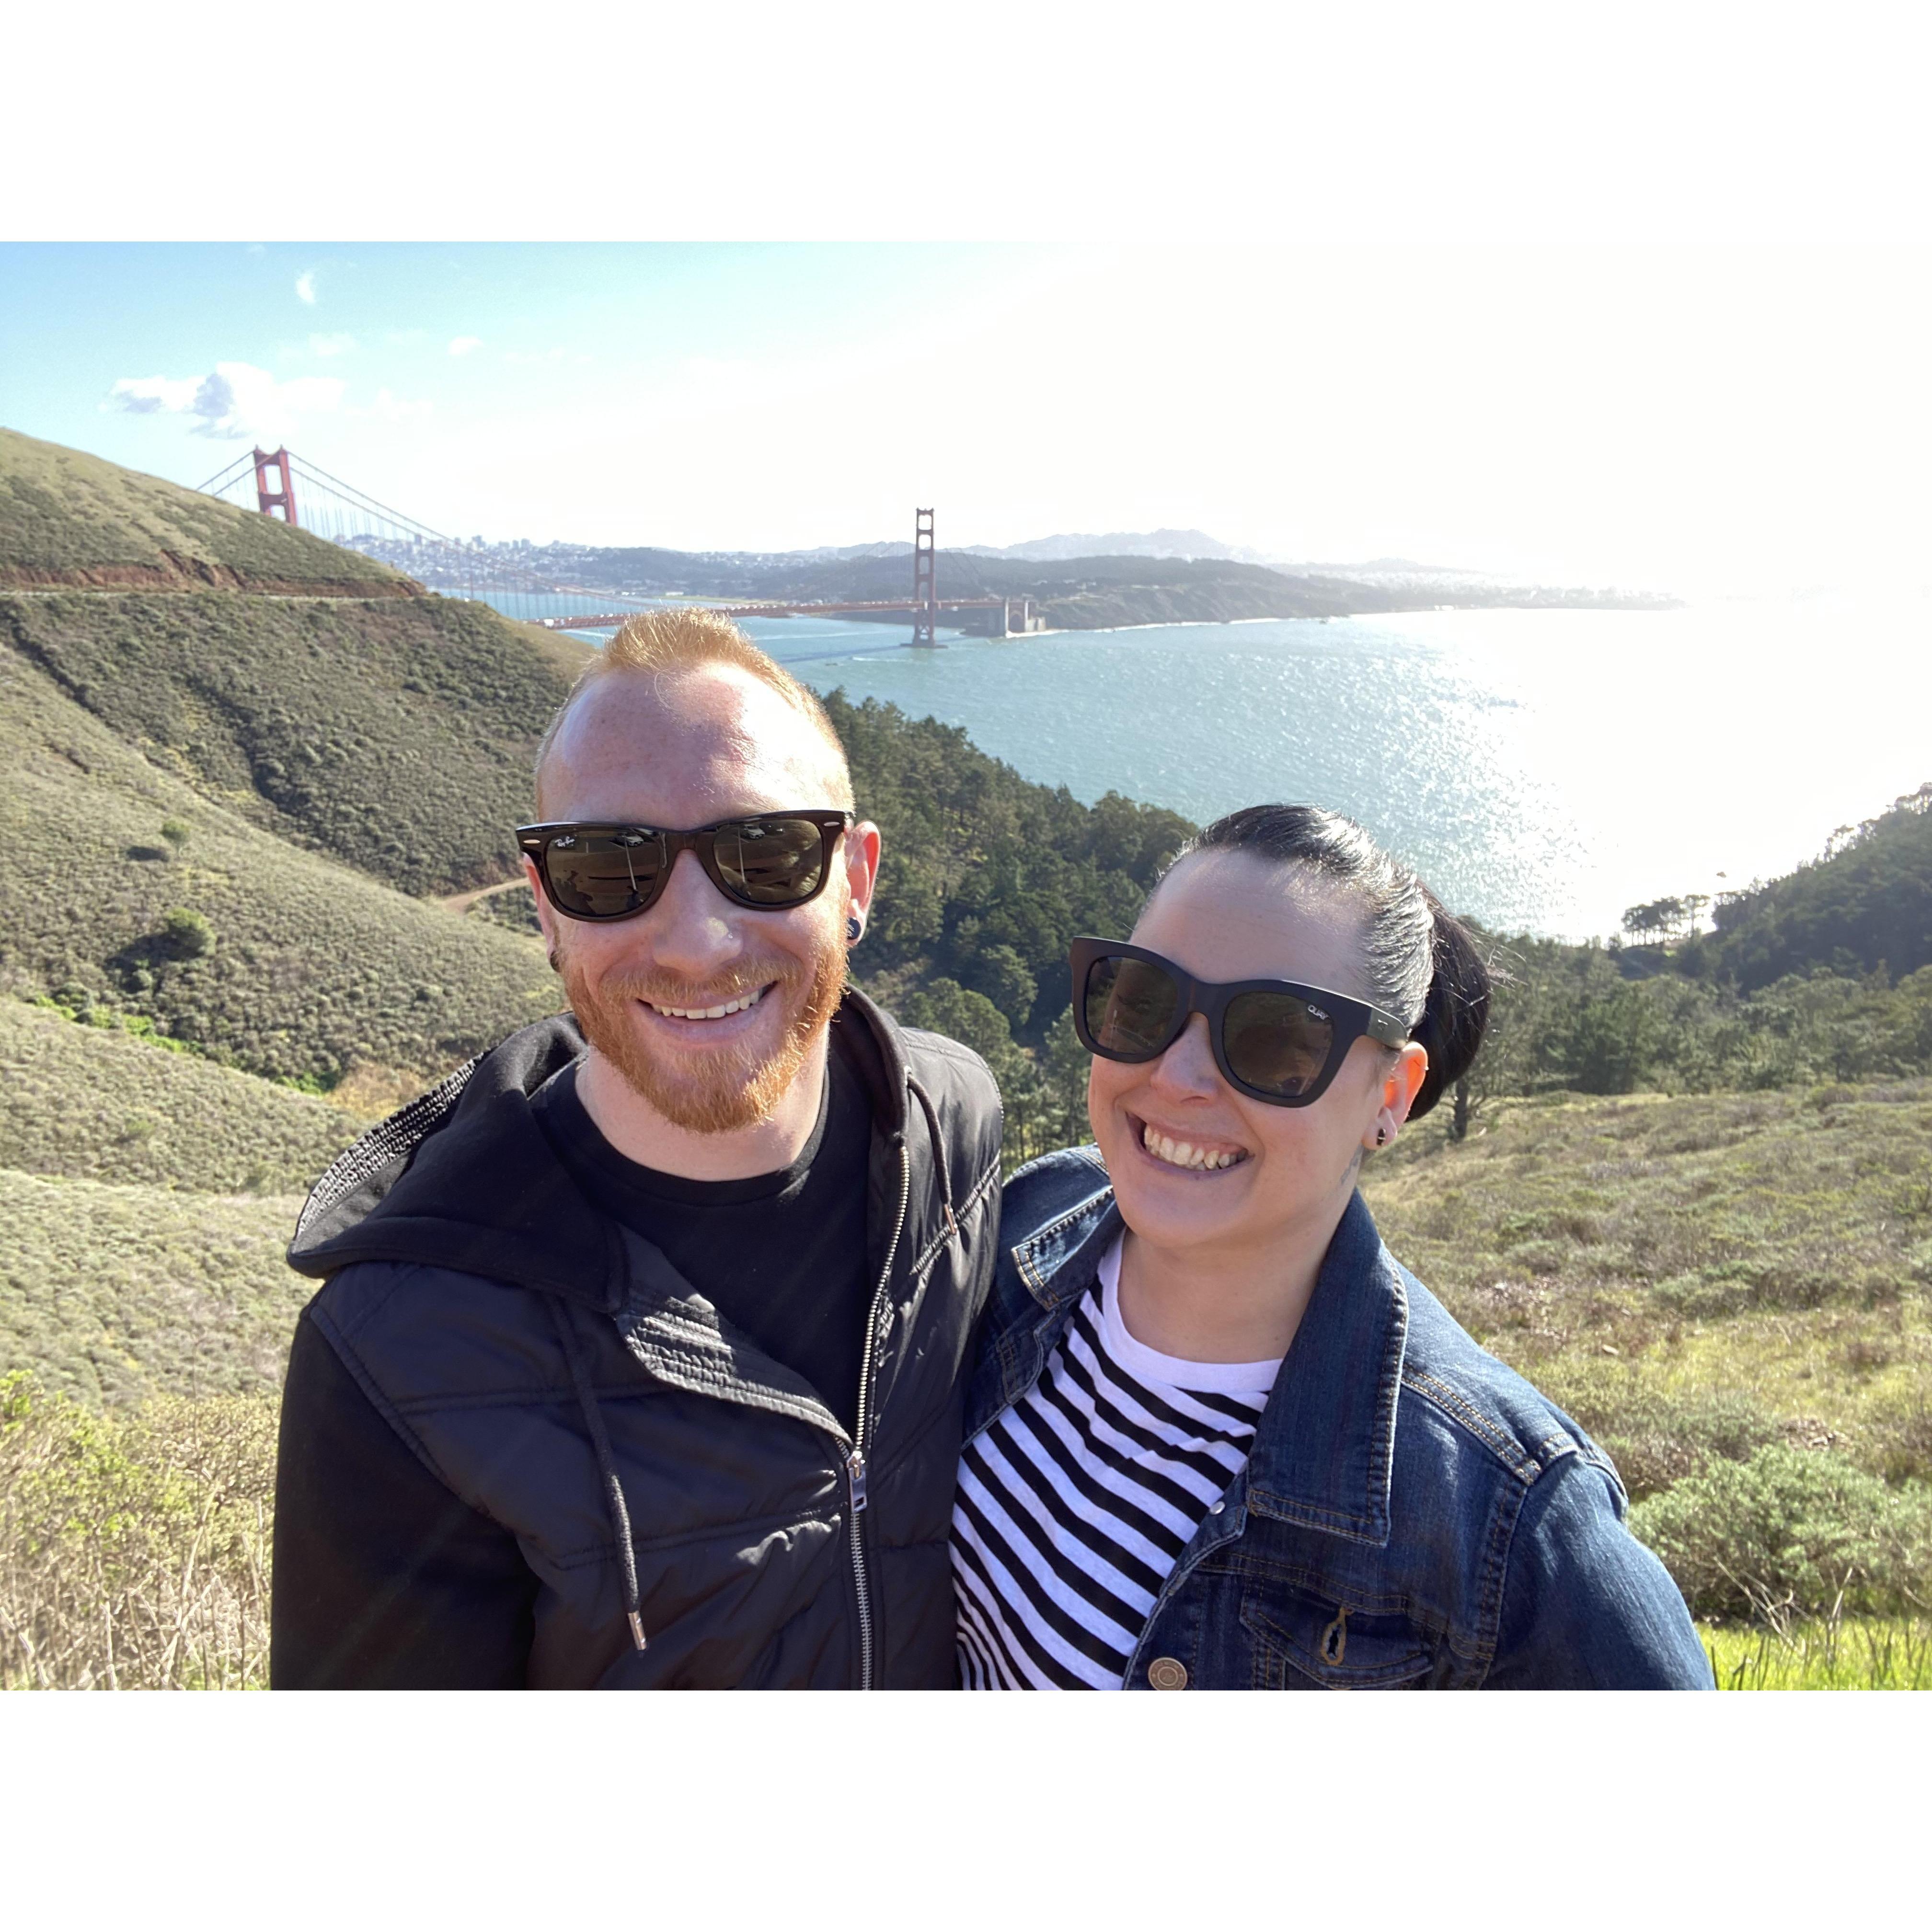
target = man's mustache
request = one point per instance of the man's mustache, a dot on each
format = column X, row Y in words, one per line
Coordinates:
column 658, row 991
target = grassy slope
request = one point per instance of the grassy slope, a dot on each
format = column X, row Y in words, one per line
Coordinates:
column 90, row 1103
column 1692, row 1277
column 145, row 1198
column 113, row 1293
column 315, row 968
column 395, row 735
column 69, row 518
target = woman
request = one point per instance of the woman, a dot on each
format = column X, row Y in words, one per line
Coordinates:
column 1219, row 1437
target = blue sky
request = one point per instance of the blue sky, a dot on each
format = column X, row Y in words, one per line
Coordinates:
column 1680, row 417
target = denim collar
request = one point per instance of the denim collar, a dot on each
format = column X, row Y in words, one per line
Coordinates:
column 1324, row 1451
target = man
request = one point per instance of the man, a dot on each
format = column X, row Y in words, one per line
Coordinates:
column 638, row 1359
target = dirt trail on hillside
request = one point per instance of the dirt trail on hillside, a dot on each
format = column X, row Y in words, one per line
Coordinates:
column 463, row 901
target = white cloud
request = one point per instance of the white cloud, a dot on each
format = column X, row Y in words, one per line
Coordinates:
column 305, row 287
column 235, row 401
column 331, row 345
column 151, row 395
column 463, row 344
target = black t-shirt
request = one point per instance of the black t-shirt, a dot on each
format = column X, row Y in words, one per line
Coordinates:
column 782, row 1255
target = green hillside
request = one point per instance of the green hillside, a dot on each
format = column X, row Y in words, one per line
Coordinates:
column 1733, row 1293
column 68, row 519
column 1865, row 906
column 318, row 695
column 93, row 1103
column 116, row 1294
column 395, row 735
column 129, row 896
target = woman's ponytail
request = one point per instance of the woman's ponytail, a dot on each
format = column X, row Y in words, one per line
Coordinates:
column 1455, row 1011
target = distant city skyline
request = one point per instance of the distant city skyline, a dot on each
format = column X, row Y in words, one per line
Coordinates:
column 1681, row 420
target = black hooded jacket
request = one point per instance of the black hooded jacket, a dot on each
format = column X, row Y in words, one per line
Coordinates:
column 584, row 1474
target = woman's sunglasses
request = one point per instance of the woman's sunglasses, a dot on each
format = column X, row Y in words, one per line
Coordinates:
column 1273, row 1038
column 772, row 862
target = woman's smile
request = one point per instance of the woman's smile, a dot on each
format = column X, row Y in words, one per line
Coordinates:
column 1187, row 1149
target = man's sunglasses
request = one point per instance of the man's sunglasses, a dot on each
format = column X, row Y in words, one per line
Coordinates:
column 773, row 861
column 1276, row 1040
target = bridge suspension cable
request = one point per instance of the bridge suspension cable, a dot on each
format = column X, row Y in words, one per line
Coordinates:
column 312, row 498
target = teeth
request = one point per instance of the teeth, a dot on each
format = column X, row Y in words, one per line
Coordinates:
column 713, row 1013
column 1185, row 1153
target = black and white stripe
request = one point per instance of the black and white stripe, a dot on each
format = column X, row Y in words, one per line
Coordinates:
column 1074, row 1504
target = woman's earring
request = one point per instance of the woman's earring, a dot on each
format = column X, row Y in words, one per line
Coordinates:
column 853, row 929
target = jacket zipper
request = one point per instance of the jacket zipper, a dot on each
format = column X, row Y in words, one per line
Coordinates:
column 855, row 1463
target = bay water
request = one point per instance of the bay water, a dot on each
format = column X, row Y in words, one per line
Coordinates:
column 1542, row 769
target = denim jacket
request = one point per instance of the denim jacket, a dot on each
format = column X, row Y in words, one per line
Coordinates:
column 1413, row 1514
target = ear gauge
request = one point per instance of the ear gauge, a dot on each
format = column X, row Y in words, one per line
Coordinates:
column 853, row 929
column 1381, row 1137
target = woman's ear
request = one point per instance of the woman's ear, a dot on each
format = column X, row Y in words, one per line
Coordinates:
column 1403, row 1081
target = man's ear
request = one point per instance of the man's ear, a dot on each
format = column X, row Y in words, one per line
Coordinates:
column 862, row 864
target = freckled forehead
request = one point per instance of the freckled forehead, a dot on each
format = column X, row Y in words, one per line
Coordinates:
column 1225, row 915
column 684, row 749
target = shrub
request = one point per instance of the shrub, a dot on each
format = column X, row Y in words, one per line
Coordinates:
column 1792, row 1532
column 1658, row 1438
column 175, row 832
column 187, row 934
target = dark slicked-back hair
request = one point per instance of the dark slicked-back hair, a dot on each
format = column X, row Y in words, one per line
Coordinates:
column 1420, row 963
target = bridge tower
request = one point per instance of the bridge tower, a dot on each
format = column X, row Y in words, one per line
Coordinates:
column 269, row 501
column 924, row 585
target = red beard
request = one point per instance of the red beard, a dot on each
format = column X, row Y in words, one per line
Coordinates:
column 731, row 1087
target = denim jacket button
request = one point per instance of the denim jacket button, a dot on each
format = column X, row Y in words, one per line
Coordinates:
column 1167, row 1673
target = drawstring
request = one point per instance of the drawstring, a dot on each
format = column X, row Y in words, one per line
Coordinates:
column 607, row 1466
column 938, row 1153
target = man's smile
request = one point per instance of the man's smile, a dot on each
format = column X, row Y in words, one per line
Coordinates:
column 719, row 1013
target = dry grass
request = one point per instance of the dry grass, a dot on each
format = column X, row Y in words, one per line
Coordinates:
column 134, row 1549
column 115, row 1294
column 93, row 1103
column 1693, row 1277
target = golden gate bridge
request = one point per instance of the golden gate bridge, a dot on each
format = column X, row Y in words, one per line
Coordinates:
column 295, row 491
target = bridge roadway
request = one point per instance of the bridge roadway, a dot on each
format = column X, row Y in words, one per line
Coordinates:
column 609, row 619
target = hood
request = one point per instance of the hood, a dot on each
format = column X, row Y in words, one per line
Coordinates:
column 462, row 1178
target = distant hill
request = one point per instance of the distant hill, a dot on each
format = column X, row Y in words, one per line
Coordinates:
column 1190, row 544
column 1085, row 593
column 1157, row 578
column 1867, row 902
column 71, row 520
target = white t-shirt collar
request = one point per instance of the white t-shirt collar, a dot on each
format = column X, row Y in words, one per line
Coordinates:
column 1151, row 1365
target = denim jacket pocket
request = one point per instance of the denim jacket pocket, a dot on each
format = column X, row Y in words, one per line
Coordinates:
column 1331, row 1646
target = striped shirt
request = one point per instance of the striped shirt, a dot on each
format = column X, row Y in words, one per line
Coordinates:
column 1074, row 1505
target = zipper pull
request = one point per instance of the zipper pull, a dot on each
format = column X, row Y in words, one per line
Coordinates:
column 855, row 1474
